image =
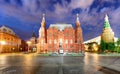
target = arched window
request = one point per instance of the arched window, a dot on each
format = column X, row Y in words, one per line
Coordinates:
column 71, row 41
column 4, row 29
column 66, row 41
column 55, row 41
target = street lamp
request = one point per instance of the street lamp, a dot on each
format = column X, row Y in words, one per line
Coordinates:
column 55, row 42
column 28, row 42
column 79, row 46
column 2, row 42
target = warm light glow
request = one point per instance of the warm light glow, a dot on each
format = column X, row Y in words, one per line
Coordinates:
column 2, row 42
column 71, row 41
column 86, row 47
column 28, row 42
column 95, row 47
column 60, row 40
column 42, row 41
column 94, row 44
column 66, row 42
column 50, row 41
column 55, row 42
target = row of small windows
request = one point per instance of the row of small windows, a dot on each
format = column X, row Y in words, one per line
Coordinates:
column 50, row 34
column 6, row 30
column 58, row 28
column 66, row 41
column 9, row 39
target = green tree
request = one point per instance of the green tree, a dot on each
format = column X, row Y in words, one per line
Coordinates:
column 102, row 46
column 111, row 46
column 118, row 45
column 107, row 46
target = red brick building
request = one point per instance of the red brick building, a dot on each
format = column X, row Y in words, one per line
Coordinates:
column 58, row 36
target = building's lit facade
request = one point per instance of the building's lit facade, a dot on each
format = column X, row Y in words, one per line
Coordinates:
column 9, row 41
column 97, row 41
column 57, row 35
column 32, row 43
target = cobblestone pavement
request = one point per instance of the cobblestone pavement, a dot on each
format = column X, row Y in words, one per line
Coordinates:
column 35, row 64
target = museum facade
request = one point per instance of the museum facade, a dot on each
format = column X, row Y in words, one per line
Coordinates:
column 60, row 38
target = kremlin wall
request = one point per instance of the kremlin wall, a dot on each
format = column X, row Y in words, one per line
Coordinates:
column 58, row 38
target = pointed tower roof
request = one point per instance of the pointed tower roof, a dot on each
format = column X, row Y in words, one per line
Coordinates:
column 43, row 18
column 106, row 23
column 33, row 34
column 77, row 20
column 43, row 21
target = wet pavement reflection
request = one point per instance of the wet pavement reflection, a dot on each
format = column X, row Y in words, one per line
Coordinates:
column 36, row 64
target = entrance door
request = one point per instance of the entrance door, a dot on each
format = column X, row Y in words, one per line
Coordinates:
column 60, row 47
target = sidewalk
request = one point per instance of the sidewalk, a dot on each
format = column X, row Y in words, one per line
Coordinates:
column 109, row 54
column 115, row 63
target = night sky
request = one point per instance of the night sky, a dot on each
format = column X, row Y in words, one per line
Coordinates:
column 24, row 16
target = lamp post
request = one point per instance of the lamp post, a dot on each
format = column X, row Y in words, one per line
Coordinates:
column 55, row 42
column 66, row 42
column 28, row 42
column 2, row 43
column 78, row 46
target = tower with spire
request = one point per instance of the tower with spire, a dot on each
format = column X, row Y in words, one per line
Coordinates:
column 42, row 36
column 33, row 38
column 32, row 46
column 78, row 33
column 107, row 36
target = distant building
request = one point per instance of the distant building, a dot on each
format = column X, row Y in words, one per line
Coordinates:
column 60, row 38
column 23, row 46
column 97, row 41
column 32, row 43
column 9, row 41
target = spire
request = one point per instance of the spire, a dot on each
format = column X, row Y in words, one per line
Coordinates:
column 106, row 23
column 43, row 18
column 43, row 21
column 77, row 20
column 33, row 34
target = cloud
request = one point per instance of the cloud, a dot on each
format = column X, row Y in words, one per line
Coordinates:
column 60, row 10
column 80, row 3
column 115, row 16
column 91, row 12
column 17, row 12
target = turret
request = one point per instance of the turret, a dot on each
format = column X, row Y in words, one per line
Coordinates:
column 43, row 23
column 33, row 34
column 78, row 31
column 77, row 21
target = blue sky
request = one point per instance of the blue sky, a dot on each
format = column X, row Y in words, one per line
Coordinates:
column 24, row 16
